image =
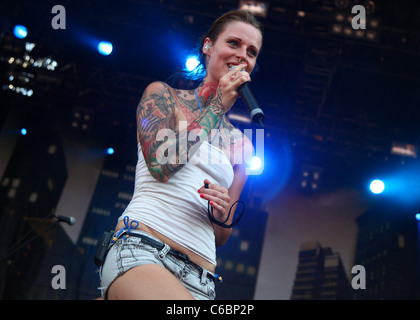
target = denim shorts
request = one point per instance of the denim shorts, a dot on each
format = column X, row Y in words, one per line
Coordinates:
column 132, row 252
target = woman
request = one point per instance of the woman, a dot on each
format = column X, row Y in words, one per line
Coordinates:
column 165, row 242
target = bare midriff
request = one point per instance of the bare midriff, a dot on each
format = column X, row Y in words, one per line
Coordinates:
column 175, row 246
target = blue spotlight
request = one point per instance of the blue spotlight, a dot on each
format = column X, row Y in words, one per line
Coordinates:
column 418, row 216
column 20, row 31
column 105, row 48
column 191, row 62
column 110, row 151
column 23, row 131
column 255, row 163
column 377, row 186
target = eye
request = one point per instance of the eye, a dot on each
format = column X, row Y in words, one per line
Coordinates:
column 252, row 52
column 233, row 42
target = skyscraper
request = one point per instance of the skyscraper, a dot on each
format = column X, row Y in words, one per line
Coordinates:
column 111, row 196
column 238, row 260
column 29, row 192
column 387, row 249
column 320, row 275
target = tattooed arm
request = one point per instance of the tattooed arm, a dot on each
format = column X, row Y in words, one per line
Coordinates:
column 157, row 111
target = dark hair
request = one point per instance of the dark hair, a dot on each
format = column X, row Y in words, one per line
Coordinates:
column 189, row 79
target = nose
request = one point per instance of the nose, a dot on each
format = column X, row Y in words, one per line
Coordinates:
column 242, row 55
column 241, row 59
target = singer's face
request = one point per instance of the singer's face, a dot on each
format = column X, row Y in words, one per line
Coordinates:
column 238, row 42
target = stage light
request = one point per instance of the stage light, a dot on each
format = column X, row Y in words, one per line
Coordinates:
column 255, row 163
column 406, row 150
column 29, row 46
column 257, row 8
column 418, row 216
column 23, row 131
column 19, row 90
column 377, row 186
column 105, row 48
column 191, row 63
column 20, row 31
column 110, row 151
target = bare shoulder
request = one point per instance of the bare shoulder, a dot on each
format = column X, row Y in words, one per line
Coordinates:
column 156, row 87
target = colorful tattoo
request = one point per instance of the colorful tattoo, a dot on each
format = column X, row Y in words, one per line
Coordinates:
column 156, row 113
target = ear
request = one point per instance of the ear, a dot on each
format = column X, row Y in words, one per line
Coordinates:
column 207, row 46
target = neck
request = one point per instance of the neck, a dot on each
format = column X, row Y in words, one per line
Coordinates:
column 207, row 89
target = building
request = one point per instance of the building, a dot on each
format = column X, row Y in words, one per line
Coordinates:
column 335, row 285
column 238, row 260
column 387, row 247
column 320, row 275
column 30, row 189
column 112, row 194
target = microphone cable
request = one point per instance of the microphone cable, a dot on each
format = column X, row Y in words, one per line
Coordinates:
column 19, row 245
column 223, row 224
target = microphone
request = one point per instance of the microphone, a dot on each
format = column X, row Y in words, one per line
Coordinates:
column 69, row 220
column 256, row 113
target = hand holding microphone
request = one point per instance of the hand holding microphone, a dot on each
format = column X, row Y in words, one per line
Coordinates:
column 251, row 104
column 254, row 109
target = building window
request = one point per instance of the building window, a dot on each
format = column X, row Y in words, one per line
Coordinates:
column 235, row 232
column 50, row 184
column 125, row 195
column 11, row 193
column 251, row 271
column 401, row 241
column 33, row 197
column 240, row 268
column 228, row 265
column 244, row 246
column 102, row 212
column 111, row 174
column 52, row 149
column 90, row 241
column 128, row 177
column 5, row 182
column 16, row 183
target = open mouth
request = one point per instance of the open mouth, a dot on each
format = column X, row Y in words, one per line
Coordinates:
column 231, row 65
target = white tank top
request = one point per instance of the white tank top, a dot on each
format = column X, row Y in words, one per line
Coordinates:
column 174, row 208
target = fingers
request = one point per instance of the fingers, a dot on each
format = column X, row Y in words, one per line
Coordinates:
column 238, row 75
column 214, row 193
column 213, row 189
column 229, row 84
column 217, row 207
column 217, row 195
